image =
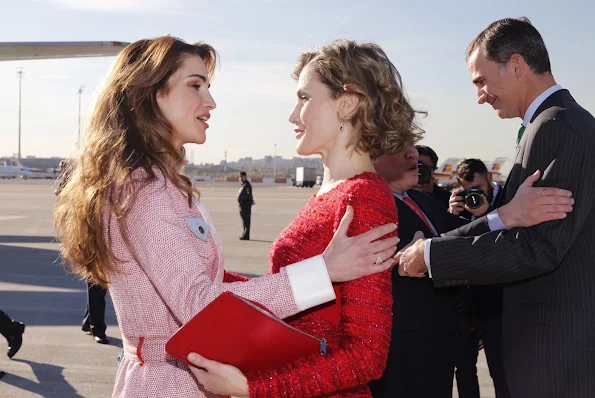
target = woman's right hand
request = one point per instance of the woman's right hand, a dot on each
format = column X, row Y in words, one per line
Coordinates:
column 352, row 257
column 533, row 205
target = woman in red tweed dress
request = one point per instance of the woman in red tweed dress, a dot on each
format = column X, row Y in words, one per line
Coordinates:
column 129, row 220
column 350, row 109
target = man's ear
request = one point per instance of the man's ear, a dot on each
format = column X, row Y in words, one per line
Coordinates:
column 347, row 105
column 518, row 64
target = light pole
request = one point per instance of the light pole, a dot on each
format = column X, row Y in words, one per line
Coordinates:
column 80, row 93
column 225, row 167
column 275, row 163
column 20, row 75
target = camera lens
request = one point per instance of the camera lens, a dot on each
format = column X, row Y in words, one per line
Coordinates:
column 473, row 198
column 424, row 174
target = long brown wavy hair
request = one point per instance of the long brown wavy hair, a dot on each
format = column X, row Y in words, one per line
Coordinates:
column 126, row 131
column 384, row 115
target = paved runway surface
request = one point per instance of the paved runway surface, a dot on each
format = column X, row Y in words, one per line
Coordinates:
column 57, row 359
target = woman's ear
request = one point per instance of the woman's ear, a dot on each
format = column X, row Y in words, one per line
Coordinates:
column 347, row 105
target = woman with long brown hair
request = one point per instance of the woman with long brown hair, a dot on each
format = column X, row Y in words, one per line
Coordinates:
column 129, row 220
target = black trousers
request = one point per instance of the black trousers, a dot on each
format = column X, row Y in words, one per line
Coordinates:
column 95, row 312
column 246, row 213
column 466, row 352
column 491, row 330
column 420, row 365
column 5, row 324
column 488, row 300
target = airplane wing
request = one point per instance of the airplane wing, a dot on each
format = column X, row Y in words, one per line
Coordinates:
column 444, row 175
column 47, row 50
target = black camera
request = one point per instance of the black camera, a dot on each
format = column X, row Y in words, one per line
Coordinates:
column 424, row 173
column 473, row 197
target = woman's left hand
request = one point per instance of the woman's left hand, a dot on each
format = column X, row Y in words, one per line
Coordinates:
column 219, row 378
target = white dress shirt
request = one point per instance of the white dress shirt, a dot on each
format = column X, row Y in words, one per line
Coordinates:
column 537, row 102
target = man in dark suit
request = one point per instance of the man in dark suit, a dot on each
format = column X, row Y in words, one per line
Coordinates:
column 425, row 322
column 549, row 299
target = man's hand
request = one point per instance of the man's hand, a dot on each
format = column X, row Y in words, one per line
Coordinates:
column 348, row 258
column 411, row 257
column 455, row 203
column 219, row 378
column 531, row 205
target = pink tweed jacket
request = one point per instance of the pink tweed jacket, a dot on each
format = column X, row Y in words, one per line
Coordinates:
column 170, row 270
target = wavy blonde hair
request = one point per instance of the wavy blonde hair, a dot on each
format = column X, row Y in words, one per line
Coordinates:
column 126, row 131
column 384, row 118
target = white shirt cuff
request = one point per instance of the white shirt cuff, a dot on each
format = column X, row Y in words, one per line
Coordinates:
column 427, row 257
column 310, row 283
column 494, row 222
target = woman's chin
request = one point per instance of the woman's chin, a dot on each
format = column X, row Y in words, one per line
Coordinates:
column 303, row 150
column 200, row 139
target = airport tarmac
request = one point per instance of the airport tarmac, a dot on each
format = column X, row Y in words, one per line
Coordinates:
column 57, row 359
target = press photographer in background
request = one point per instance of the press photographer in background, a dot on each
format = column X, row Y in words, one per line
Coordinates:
column 427, row 163
column 476, row 196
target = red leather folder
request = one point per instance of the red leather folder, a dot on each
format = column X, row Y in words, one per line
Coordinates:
column 239, row 332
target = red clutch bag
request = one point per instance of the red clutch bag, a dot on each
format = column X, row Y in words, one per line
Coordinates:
column 239, row 332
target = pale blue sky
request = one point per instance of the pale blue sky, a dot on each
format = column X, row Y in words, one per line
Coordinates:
column 259, row 41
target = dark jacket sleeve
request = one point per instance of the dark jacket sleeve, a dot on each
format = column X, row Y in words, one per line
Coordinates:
column 566, row 160
column 477, row 227
column 246, row 193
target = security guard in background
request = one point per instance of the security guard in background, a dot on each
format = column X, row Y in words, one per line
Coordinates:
column 246, row 201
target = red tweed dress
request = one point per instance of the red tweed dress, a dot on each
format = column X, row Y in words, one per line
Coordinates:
column 357, row 326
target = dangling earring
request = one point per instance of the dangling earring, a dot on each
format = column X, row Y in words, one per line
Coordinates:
column 341, row 128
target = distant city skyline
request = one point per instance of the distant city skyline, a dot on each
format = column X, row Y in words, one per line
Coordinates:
column 259, row 43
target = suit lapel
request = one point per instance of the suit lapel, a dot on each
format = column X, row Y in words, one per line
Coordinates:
column 409, row 222
column 498, row 198
column 513, row 181
column 429, row 209
column 502, row 198
column 419, row 224
column 556, row 99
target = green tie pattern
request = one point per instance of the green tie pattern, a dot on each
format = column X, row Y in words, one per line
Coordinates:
column 520, row 134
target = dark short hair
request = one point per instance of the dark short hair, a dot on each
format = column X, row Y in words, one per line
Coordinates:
column 467, row 169
column 242, row 174
column 429, row 152
column 506, row 37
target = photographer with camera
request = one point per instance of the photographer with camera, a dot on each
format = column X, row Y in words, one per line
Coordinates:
column 427, row 163
column 477, row 194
